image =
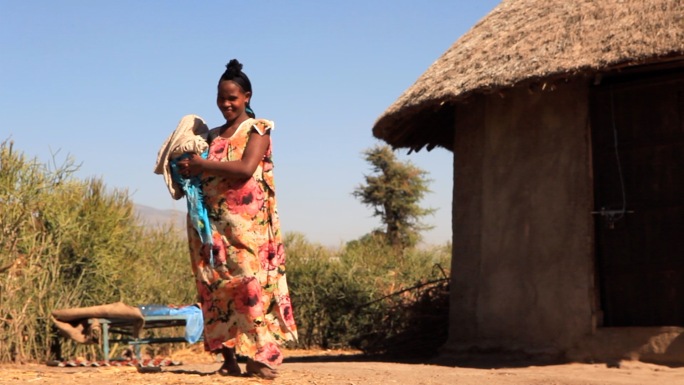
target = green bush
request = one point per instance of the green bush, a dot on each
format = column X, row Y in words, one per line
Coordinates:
column 362, row 296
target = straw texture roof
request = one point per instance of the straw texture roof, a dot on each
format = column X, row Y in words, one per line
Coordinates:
column 521, row 41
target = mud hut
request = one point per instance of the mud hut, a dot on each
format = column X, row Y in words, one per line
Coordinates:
column 566, row 121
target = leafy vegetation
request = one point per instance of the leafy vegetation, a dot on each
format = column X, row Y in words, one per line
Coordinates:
column 361, row 296
column 394, row 192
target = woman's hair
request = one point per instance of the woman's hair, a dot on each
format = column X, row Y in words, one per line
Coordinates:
column 234, row 73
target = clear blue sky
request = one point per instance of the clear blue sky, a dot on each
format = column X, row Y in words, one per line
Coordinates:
column 106, row 82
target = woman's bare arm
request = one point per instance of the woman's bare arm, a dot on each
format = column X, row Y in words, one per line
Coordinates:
column 239, row 169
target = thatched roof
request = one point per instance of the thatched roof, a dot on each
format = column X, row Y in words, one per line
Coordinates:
column 521, row 41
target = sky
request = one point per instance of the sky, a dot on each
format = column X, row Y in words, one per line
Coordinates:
column 106, row 82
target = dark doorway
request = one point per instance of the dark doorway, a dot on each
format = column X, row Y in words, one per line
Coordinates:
column 637, row 125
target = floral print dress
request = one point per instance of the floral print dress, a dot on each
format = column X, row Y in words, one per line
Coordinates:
column 241, row 277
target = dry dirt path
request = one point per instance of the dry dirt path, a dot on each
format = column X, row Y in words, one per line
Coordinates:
column 327, row 369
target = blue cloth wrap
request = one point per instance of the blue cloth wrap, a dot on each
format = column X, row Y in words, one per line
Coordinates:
column 192, row 187
column 194, row 321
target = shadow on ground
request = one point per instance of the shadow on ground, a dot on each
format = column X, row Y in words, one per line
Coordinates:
column 475, row 361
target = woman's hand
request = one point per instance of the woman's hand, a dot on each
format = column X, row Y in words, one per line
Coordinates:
column 190, row 166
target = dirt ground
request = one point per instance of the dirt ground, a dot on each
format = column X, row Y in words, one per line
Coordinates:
column 347, row 368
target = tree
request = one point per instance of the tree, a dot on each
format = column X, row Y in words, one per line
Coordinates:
column 394, row 192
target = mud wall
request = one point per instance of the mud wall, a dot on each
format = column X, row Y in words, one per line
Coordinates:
column 522, row 267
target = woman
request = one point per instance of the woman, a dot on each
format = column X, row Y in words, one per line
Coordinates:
column 241, row 277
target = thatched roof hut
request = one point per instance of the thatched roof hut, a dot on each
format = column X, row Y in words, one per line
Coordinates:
column 565, row 120
column 528, row 41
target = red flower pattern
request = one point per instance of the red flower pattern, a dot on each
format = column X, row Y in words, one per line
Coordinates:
column 271, row 255
column 217, row 152
column 269, row 354
column 248, row 297
column 247, row 199
column 285, row 307
column 219, row 250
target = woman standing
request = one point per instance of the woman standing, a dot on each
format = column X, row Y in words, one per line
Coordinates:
column 241, row 277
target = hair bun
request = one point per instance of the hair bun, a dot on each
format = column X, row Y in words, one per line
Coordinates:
column 234, row 67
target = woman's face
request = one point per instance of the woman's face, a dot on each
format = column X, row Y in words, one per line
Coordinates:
column 231, row 100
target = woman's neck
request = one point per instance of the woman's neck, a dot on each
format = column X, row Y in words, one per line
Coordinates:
column 229, row 128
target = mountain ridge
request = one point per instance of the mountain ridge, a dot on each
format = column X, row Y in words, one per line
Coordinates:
column 160, row 217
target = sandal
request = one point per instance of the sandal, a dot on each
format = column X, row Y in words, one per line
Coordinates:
column 261, row 370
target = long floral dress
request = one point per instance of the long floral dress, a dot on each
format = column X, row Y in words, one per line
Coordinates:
column 241, row 283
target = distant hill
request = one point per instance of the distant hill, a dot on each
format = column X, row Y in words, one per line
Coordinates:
column 157, row 217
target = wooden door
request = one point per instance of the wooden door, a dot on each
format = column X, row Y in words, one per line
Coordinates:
column 637, row 126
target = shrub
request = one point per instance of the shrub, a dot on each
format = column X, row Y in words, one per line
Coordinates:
column 365, row 295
